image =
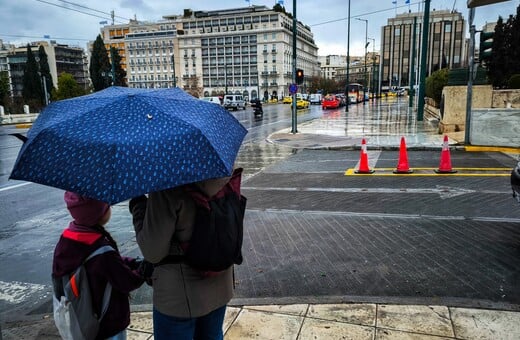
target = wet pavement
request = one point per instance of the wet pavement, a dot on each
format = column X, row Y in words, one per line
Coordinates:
column 331, row 255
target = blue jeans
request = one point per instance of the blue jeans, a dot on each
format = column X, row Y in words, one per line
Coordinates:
column 119, row 336
column 207, row 327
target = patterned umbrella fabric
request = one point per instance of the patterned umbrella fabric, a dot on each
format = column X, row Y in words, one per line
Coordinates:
column 123, row 142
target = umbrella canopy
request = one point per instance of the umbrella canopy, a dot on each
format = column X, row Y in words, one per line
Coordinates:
column 123, row 142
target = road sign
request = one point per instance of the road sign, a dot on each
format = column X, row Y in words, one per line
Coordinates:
column 293, row 88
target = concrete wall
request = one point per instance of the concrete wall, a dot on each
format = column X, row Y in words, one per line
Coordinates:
column 453, row 112
column 16, row 118
column 495, row 115
column 495, row 127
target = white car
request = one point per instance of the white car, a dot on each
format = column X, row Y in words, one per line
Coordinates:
column 215, row 100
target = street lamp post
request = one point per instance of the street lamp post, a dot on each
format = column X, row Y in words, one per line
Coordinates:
column 173, row 70
column 365, row 67
column 348, row 58
column 372, row 78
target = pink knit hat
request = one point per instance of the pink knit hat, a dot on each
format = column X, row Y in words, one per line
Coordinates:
column 85, row 211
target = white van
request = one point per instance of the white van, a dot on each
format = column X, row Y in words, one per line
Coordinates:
column 234, row 101
column 315, row 98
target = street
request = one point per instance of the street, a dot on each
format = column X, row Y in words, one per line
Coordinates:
column 312, row 230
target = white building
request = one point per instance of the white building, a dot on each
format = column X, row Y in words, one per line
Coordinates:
column 244, row 51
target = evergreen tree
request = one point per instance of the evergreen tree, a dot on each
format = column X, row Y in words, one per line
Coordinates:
column 32, row 86
column 514, row 51
column 120, row 73
column 67, row 87
column 100, row 69
column 5, row 93
column 45, row 71
column 497, row 66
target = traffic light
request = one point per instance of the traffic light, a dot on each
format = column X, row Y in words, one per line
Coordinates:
column 485, row 47
column 299, row 76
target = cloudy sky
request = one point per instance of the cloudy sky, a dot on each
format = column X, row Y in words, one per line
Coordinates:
column 23, row 21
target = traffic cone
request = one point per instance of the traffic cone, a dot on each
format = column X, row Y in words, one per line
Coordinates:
column 445, row 163
column 402, row 164
column 363, row 161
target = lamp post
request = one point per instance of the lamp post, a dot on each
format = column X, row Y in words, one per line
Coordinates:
column 174, row 74
column 365, row 67
column 373, row 77
column 348, row 58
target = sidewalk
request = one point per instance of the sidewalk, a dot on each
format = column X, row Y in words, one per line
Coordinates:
column 388, row 318
column 356, row 321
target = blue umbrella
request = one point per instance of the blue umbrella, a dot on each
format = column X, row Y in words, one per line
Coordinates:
column 123, row 142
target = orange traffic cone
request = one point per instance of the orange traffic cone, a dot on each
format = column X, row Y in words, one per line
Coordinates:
column 402, row 164
column 445, row 163
column 363, row 161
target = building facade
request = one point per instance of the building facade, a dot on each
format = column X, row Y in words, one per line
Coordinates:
column 61, row 58
column 330, row 64
column 446, row 46
column 245, row 51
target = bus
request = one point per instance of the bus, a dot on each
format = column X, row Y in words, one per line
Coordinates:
column 355, row 93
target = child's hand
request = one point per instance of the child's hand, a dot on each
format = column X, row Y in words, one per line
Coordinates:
column 145, row 269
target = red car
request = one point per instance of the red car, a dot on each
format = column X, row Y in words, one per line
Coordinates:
column 330, row 102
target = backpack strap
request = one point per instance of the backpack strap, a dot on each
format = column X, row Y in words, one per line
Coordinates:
column 108, row 288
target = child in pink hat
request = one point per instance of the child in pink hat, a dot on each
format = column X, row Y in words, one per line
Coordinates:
column 84, row 235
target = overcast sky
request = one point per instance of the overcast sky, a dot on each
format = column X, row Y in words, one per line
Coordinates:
column 22, row 21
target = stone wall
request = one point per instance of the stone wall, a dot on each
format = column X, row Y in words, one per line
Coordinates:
column 506, row 99
column 453, row 111
column 495, row 115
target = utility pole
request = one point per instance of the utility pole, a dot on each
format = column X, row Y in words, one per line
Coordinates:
column 373, row 76
column 294, row 116
column 348, row 58
column 112, row 56
column 411, row 82
column 424, row 51
column 471, row 75
column 365, row 67
column 173, row 68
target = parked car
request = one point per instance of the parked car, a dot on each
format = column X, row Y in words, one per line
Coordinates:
column 330, row 102
column 342, row 99
column 234, row 101
column 215, row 100
column 287, row 100
column 315, row 98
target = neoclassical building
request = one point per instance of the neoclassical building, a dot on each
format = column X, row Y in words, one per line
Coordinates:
column 244, row 51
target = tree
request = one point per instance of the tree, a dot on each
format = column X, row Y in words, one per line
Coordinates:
column 514, row 52
column 100, row 69
column 192, row 86
column 120, row 73
column 498, row 63
column 32, row 86
column 5, row 93
column 505, row 51
column 67, row 87
column 45, row 71
column 435, row 83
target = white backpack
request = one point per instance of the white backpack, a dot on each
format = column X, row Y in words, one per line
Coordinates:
column 74, row 315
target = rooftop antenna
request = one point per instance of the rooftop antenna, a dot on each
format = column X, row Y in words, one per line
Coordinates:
column 454, row 3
